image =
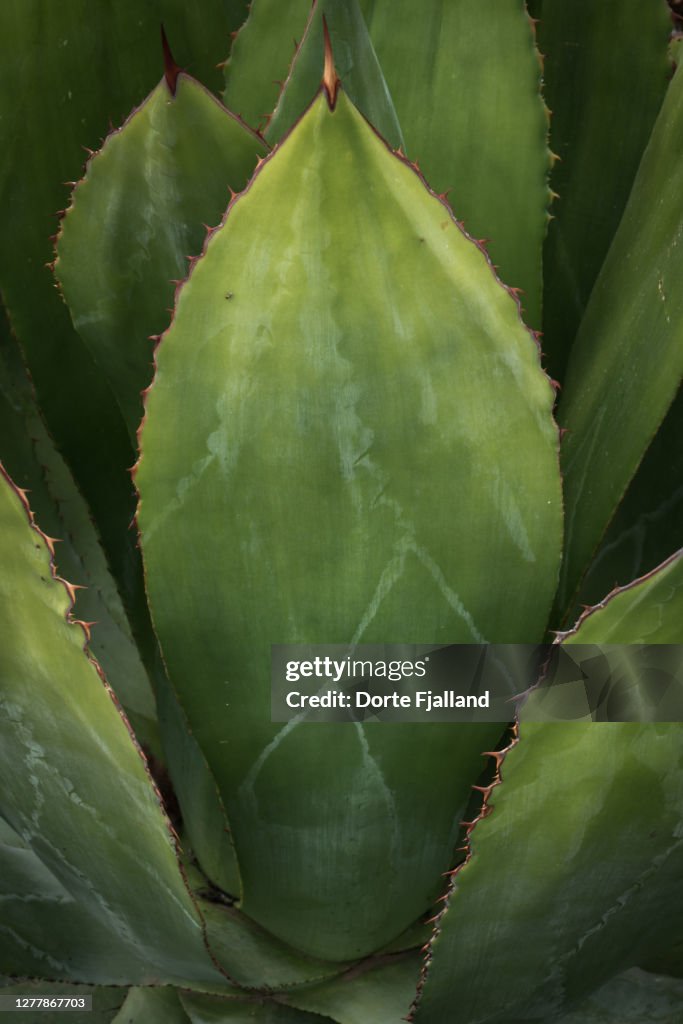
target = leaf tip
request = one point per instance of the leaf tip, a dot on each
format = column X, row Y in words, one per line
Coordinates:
column 171, row 69
column 331, row 80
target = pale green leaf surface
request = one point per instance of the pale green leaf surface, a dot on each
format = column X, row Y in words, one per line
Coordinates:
column 362, row 426
column 261, row 55
column 605, row 74
column 253, row 958
column 464, row 77
column 140, row 210
column 648, row 611
column 583, row 849
column 383, row 993
column 152, row 1006
column 44, row 931
column 204, row 817
column 356, row 65
column 627, row 363
column 74, row 786
column 203, row 1009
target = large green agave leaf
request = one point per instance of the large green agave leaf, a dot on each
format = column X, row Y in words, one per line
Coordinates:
column 140, row 210
column 649, row 611
column 626, row 365
column 648, row 524
column 66, row 69
column 44, row 930
column 260, row 57
column 29, row 455
column 31, row 459
column 134, row 218
column 464, row 77
column 576, row 871
column 253, row 958
column 603, row 109
column 152, row 1006
column 204, row 819
column 347, row 423
column 384, row 992
column 203, row 1009
column 357, row 68
column 74, row 786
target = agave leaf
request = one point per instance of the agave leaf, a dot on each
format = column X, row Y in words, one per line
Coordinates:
column 152, row 1006
column 140, row 210
column 357, row 68
column 632, row 998
column 203, row 814
column 582, row 846
column 105, row 1001
column 203, row 1009
column 253, row 958
column 333, row 489
column 260, row 57
column 44, row 930
column 464, row 78
column 648, row 524
column 384, row 992
column 649, row 611
column 634, row 323
column 134, row 218
column 65, row 71
column 74, row 786
column 603, row 110
column 29, row 455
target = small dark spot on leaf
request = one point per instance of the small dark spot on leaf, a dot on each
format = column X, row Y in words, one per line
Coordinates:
column 229, row 295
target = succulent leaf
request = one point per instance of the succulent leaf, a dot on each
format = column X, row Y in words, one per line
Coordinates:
column 260, row 58
column 331, row 387
column 648, row 611
column 74, row 786
column 627, row 362
column 580, row 845
column 648, row 524
column 203, row 814
column 138, row 214
column 29, row 455
column 67, row 69
column 384, row 993
column 254, row 959
column 604, row 106
column 488, row 152
column 152, row 1006
column 632, row 998
column 356, row 65
column 203, row 1009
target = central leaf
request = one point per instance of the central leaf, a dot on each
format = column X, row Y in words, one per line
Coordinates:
column 349, row 439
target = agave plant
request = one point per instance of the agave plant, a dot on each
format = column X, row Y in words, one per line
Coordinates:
column 400, row 393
